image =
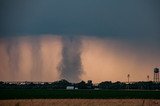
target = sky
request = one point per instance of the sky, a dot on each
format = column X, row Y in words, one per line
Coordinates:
column 118, row 37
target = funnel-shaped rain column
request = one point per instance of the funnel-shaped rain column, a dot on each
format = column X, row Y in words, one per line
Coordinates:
column 70, row 67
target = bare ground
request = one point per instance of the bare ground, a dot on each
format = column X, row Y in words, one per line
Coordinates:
column 80, row 102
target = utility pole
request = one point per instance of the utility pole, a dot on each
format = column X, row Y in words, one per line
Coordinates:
column 128, row 76
column 147, row 77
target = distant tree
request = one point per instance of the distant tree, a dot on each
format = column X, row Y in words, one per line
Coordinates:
column 89, row 84
column 118, row 85
column 105, row 85
column 81, row 85
column 62, row 84
column 1, row 82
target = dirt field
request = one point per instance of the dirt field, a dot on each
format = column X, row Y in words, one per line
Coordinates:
column 80, row 102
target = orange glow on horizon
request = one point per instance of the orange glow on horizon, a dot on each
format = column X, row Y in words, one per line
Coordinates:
column 110, row 60
column 102, row 60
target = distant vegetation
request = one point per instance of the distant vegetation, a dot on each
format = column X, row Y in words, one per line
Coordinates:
column 86, row 90
column 62, row 84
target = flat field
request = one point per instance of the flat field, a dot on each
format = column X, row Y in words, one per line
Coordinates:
column 80, row 102
column 77, row 94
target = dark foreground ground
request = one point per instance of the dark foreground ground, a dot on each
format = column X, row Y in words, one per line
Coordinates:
column 77, row 94
column 80, row 102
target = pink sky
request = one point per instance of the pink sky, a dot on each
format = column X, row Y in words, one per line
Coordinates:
column 102, row 60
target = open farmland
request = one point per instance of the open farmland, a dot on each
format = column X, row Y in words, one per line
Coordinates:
column 77, row 94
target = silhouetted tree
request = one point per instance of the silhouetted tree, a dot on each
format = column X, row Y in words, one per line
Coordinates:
column 81, row 85
column 105, row 85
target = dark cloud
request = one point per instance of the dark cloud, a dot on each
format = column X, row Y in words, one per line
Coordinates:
column 135, row 23
column 72, row 17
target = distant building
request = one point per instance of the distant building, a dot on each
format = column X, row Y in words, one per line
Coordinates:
column 96, row 88
column 70, row 87
column 76, row 88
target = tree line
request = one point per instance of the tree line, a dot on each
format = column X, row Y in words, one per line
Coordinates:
column 62, row 84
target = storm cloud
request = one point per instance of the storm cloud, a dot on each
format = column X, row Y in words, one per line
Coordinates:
column 134, row 24
column 100, row 18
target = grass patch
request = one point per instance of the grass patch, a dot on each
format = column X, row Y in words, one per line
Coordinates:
column 79, row 94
